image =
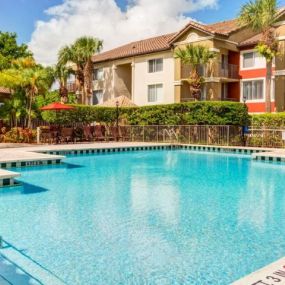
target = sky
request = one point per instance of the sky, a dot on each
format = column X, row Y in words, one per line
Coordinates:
column 47, row 25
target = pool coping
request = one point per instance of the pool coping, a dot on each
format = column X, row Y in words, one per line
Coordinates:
column 266, row 274
column 53, row 154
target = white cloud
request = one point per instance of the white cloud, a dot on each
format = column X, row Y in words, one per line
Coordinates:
column 105, row 20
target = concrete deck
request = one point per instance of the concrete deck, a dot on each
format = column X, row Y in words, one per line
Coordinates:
column 273, row 273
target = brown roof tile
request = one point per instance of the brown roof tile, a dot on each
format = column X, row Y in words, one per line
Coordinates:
column 4, row 90
column 154, row 44
column 251, row 41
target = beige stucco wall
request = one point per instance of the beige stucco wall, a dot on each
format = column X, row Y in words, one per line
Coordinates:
column 130, row 77
column 142, row 78
column 123, row 81
column 107, row 84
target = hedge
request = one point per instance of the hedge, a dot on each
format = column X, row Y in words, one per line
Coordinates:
column 192, row 113
column 268, row 120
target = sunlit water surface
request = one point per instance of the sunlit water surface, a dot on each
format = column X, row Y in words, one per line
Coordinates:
column 152, row 217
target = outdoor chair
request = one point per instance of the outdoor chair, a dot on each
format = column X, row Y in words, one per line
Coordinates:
column 87, row 133
column 124, row 133
column 66, row 135
column 46, row 136
column 114, row 133
column 99, row 133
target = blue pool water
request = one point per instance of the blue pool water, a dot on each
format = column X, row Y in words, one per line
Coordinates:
column 152, row 217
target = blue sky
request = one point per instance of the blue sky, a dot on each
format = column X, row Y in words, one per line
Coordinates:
column 20, row 16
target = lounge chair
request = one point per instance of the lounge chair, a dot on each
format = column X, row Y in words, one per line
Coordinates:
column 66, row 135
column 87, row 133
column 124, row 133
column 99, row 133
column 115, row 134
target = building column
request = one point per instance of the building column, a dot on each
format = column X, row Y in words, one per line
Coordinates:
column 114, row 74
column 133, row 81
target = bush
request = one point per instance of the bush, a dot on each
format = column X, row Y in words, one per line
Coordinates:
column 17, row 135
column 193, row 113
column 270, row 121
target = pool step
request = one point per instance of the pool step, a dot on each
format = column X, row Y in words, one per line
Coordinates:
column 273, row 273
column 7, row 178
column 22, row 270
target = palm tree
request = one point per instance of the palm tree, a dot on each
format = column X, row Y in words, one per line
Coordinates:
column 62, row 73
column 26, row 75
column 260, row 16
column 13, row 109
column 195, row 56
column 80, row 54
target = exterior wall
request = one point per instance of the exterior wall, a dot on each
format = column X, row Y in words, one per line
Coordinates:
column 253, row 73
column 130, row 77
column 107, row 84
column 123, row 81
column 142, row 78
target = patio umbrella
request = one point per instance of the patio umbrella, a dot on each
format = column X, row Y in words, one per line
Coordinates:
column 122, row 101
column 56, row 106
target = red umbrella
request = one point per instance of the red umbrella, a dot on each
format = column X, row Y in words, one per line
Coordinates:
column 57, row 106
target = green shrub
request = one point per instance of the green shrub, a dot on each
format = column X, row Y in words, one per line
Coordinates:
column 193, row 113
column 268, row 120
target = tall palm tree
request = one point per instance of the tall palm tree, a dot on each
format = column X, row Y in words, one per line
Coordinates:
column 195, row 56
column 80, row 54
column 260, row 16
column 62, row 72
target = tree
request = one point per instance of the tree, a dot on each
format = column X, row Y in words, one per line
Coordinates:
column 10, row 50
column 260, row 16
column 195, row 56
column 80, row 55
column 14, row 109
column 62, row 72
column 26, row 75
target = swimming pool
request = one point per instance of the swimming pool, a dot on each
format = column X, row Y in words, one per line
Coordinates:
column 148, row 217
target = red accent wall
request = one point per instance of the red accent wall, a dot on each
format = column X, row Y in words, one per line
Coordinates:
column 252, row 73
column 234, row 91
column 255, row 73
column 259, row 107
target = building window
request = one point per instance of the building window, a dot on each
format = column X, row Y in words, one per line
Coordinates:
column 98, row 74
column 253, row 90
column 252, row 60
column 155, row 93
column 97, row 97
column 155, row 65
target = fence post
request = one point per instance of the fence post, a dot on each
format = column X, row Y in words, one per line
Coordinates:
column 189, row 133
column 228, row 135
column 38, row 135
column 157, row 129
column 143, row 133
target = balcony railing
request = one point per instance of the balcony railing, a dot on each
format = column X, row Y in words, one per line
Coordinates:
column 71, row 87
column 212, row 70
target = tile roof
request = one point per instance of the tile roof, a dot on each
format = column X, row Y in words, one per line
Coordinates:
column 150, row 45
column 251, row 41
column 164, row 42
column 4, row 90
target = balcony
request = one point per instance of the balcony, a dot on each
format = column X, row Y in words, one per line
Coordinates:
column 215, row 70
column 71, row 87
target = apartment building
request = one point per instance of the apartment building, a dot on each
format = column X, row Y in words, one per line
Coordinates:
column 147, row 71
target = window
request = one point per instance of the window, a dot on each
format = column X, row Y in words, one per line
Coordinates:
column 253, row 59
column 253, row 90
column 155, row 93
column 97, row 97
column 155, row 65
column 248, row 60
column 98, row 74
